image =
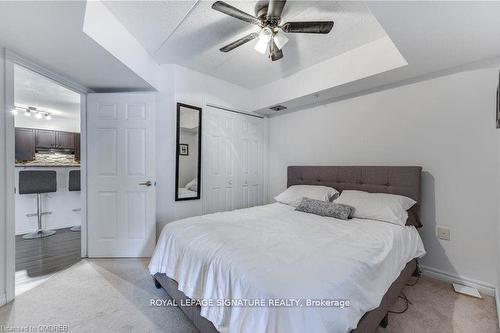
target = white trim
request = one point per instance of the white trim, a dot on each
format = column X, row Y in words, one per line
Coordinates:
column 10, row 228
column 12, row 58
column 3, row 299
column 83, row 174
column 52, row 75
column 497, row 301
column 438, row 274
column 245, row 113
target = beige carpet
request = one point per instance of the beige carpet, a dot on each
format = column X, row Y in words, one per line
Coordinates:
column 437, row 308
column 113, row 295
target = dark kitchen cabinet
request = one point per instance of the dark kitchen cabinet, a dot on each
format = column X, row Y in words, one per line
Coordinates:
column 77, row 146
column 25, row 144
column 65, row 140
column 45, row 139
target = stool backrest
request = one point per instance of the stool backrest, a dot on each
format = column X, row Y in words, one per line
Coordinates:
column 74, row 180
column 37, row 181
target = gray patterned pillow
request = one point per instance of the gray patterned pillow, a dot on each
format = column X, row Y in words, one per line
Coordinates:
column 325, row 208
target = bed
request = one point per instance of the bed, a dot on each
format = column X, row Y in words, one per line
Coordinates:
column 272, row 252
column 185, row 193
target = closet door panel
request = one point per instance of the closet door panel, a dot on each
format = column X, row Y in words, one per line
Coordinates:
column 233, row 160
column 252, row 170
column 220, row 155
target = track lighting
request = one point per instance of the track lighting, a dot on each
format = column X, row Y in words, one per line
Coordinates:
column 30, row 110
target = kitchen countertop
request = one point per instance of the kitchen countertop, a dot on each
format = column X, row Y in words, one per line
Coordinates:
column 34, row 165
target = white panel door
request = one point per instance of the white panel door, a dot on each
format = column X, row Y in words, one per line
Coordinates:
column 121, row 174
column 232, row 160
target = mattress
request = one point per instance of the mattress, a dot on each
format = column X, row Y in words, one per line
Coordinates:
column 284, row 271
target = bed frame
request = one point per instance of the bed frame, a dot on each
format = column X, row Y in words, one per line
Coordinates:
column 401, row 180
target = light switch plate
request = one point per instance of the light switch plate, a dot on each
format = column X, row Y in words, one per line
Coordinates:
column 443, row 233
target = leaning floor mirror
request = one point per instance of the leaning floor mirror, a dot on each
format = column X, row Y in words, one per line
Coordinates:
column 188, row 163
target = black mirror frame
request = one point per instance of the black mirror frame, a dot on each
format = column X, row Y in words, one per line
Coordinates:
column 177, row 152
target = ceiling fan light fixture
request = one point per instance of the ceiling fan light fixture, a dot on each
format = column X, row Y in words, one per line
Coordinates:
column 265, row 36
column 27, row 113
column 268, row 17
column 280, row 39
column 261, row 46
column 38, row 115
column 48, row 116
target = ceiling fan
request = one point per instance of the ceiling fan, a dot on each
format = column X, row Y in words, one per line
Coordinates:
column 271, row 35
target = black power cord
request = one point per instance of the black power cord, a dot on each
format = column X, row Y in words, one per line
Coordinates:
column 416, row 274
column 407, row 304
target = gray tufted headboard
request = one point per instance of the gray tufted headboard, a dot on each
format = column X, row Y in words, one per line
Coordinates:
column 401, row 180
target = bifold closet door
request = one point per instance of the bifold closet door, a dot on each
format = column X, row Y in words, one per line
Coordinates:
column 220, row 142
column 250, row 140
column 232, row 159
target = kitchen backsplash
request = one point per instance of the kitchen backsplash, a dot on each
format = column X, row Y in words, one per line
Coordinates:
column 51, row 159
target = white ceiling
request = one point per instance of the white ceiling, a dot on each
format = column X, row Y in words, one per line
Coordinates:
column 435, row 38
column 32, row 89
column 50, row 33
column 190, row 33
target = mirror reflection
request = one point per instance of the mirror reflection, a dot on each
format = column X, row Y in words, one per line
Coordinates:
column 188, row 152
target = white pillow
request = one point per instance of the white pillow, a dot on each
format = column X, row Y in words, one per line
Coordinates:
column 293, row 195
column 377, row 206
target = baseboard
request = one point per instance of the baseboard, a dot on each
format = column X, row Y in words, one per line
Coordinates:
column 497, row 301
column 483, row 287
column 3, row 299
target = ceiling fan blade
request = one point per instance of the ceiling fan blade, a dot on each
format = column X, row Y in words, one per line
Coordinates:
column 275, row 53
column 227, row 9
column 239, row 42
column 275, row 8
column 320, row 27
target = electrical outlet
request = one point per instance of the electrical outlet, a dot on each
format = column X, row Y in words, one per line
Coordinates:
column 443, row 233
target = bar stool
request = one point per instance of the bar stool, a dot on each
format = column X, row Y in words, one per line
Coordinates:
column 74, row 185
column 38, row 182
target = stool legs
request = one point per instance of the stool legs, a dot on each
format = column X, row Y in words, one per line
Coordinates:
column 40, row 233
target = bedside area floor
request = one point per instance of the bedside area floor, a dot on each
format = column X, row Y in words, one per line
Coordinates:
column 113, row 295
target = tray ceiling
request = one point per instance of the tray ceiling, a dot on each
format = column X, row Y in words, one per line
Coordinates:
column 190, row 33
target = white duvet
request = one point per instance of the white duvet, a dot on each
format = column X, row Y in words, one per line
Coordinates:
column 273, row 252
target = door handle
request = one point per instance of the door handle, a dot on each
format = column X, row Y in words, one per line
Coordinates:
column 148, row 183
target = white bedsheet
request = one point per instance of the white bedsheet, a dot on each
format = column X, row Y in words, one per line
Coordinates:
column 274, row 252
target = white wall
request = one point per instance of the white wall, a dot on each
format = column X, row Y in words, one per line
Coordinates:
column 179, row 84
column 446, row 125
column 55, row 124
column 60, row 204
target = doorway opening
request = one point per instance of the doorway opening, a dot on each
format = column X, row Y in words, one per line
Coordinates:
column 48, row 200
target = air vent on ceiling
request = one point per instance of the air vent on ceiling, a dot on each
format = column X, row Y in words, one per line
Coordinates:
column 278, row 108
